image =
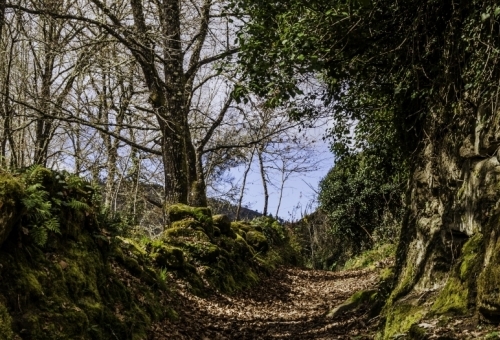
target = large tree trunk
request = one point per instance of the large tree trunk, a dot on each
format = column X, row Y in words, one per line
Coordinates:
column 170, row 101
column 448, row 258
column 449, row 252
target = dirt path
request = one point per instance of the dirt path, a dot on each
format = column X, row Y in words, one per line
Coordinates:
column 291, row 304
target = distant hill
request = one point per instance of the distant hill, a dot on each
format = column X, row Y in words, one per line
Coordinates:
column 220, row 206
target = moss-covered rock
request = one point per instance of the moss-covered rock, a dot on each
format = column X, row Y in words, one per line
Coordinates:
column 401, row 317
column 168, row 257
column 418, row 333
column 205, row 252
column 87, row 281
column 71, row 287
column 257, row 240
column 356, row 300
column 187, row 224
column 488, row 285
column 223, row 223
column 178, row 212
column 459, row 292
column 132, row 246
column 177, row 236
column 11, row 192
column 241, row 226
column 207, row 228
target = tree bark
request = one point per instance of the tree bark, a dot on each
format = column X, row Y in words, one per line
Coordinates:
column 243, row 185
column 264, row 182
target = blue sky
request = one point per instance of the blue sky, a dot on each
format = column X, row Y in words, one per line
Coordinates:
column 299, row 194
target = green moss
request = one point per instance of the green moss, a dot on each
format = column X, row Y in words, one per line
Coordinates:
column 72, row 288
column 488, row 288
column 11, row 190
column 134, row 247
column 183, row 232
column 238, row 226
column 186, row 224
column 454, row 297
column 469, row 258
column 229, row 276
column 404, row 281
column 400, row 319
column 176, row 232
column 5, row 324
column 368, row 258
column 70, row 301
column 363, row 296
column 30, row 285
column 205, row 252
column 257, row 240
column 132, row 266
column 168, row 256
column 178, row 212
column 82, row 286
column 223, row 223
column 386, row 274
column 417, row 333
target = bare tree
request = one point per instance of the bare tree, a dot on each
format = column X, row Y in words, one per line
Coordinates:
column 94, row 84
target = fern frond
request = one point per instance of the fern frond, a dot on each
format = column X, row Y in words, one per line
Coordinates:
column 34, row 173
column 78, row 205
column 52, row 225
column 39, row 235
column 34, row 188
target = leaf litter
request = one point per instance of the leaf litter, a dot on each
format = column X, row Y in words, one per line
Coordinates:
column 292, row 303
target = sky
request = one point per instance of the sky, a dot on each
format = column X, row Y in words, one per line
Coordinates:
column 300, row 192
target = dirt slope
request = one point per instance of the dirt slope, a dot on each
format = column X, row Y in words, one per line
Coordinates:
column 291, row 304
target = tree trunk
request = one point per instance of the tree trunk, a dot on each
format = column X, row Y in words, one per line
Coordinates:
column 174, row 162
column 449, row 241
column 282, row 187
column 243, row 185
column 264, row 182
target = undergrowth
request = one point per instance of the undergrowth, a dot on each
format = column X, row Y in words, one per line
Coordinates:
column 71, row 270
column 370, row 258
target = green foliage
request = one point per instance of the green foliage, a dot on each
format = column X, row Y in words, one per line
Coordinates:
column 493, row 335
column 358, row 50
column 367, row 259
column 388, row 65
column 47, row 197
column 163, row 274
column 318, row 245
column 363, row 199
column 275, row 233
column 70, row 277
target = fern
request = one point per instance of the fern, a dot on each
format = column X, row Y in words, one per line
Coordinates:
column 34, row 173
column 78, row 205
column 39, row 235
column 52, row 225
column 43, row 206
column 36, row 203
column 39, row 214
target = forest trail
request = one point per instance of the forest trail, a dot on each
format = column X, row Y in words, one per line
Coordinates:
column 290, row 304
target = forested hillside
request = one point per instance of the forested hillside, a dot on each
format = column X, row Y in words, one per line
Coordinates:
column 125, row 124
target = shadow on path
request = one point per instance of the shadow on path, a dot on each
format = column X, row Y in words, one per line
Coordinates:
column 291, row 304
